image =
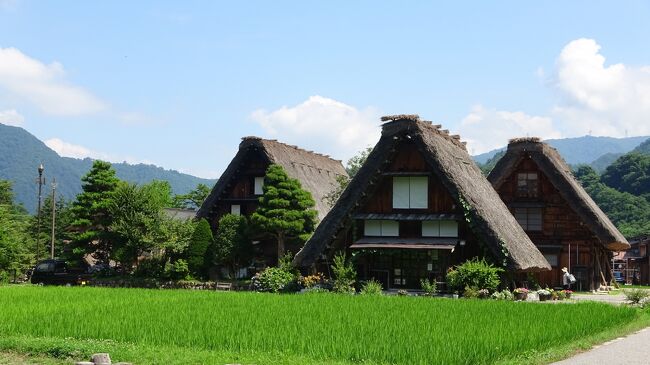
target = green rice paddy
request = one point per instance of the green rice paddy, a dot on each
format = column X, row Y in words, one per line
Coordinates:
column 180, row 326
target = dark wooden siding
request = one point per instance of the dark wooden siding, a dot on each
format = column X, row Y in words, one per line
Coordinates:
column 561, row 226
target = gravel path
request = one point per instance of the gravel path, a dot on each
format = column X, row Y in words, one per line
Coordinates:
column 631, row 350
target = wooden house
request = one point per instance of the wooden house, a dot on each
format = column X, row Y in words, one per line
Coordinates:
column 238, row 189
column 633, row 266
column 557, row 214
column 418, row 205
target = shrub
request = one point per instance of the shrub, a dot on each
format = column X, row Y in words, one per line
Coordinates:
column 498, row 296
column 178, row 270
column 470, row 293
column 150, row 268
column 196, row 251
column 345, row 275
column 429, row 287
column 636, row 296
column 474, row 273
column 371, row 287
column 483, row 293
column 274, row 280
column 402, row 293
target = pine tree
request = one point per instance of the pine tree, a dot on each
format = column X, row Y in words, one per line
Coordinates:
column 285, row 210
column 196, row 251
column 91, row 212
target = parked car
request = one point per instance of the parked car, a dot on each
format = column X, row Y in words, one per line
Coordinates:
column 59, row 272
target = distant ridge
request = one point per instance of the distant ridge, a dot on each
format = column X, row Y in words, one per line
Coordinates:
column 21, row 153
column 581, row 150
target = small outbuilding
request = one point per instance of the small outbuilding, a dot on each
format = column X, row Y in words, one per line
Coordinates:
column 558, row 215
column 418, row 205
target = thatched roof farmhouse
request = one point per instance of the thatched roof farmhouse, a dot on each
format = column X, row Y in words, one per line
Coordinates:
column 443, row 210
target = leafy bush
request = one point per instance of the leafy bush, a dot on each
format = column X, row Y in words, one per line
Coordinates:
column 470, row 293
column 178, row 270
column 150, row 268
column 402, row 293
column 273, row 279
column 429, row 287
column 345, row 275
column 636, row 296
column 503, row 295
column 483, row 293
column 474, row 273
column 371, row 287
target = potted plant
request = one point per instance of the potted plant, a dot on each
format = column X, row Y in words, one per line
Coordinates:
column 544, row 295
column 520, row 293
column 567, row 293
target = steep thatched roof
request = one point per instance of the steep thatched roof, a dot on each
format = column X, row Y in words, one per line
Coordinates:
column 316, row 172
column 559, row 173
column 450, row 162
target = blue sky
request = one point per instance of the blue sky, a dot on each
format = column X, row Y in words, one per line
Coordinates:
column 178, row 84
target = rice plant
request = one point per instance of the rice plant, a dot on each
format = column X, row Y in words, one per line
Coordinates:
column 323, row 327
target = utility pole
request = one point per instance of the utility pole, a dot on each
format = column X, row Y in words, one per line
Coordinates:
column 53, row 216
column 40, row 182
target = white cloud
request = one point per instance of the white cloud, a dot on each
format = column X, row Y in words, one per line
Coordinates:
column 44, row 85
column 487, row 129
column 66, row 149
column 11, row 117
column 322, row 124
column 599, row 98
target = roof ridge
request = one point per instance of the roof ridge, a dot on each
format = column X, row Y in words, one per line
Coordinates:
column 256, row 138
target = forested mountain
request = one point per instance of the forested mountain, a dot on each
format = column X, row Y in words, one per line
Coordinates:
column 582, row 150
column 21, row 153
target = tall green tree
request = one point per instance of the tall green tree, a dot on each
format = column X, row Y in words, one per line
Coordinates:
column 192, row 200
column 16, row 254
column 136, row 216
column 198, row 247
column 232, row 247
column 62, row 222
column 355, row 162
column 285, row 210
column 91, row 212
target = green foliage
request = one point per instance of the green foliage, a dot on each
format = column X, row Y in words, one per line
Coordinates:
column 333, row 196
column 285, row 210
column 232, row 246
column 470, row 292
column 429, row 287
column 630, row 174
column 177, row 270
column 196, row 251
column 371, row 287
column 92, row 214
column 136, row 218
column 344, row 274
column 630, row 214
column 15, row 239
column 273, row 279
column 279, row 328
column 476, row 274
column 62, row 224
column 489, row 164
column 636, row 296
column 193, row 199
column 354, row 164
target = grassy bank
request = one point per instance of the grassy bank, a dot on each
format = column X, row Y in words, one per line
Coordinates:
column 180, row 327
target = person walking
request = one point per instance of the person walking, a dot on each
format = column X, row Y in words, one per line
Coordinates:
column 567, row 279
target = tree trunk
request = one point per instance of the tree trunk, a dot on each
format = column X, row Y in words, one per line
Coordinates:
column 280, row 246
